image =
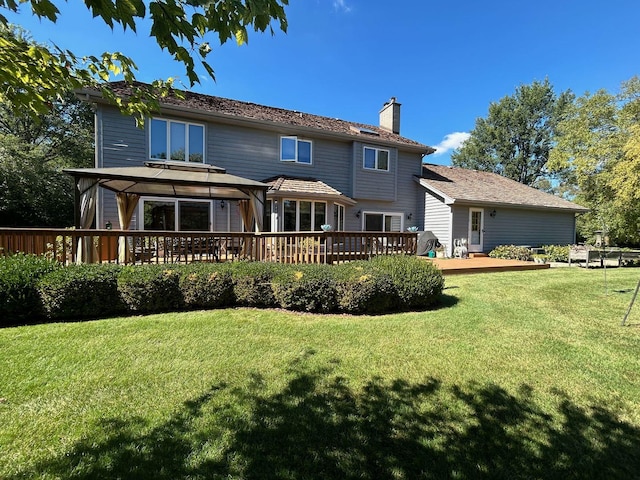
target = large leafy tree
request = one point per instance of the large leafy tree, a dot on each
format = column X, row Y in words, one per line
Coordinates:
column 34, row 75
column 33, row 151
column 598, row 151
column 515, row 138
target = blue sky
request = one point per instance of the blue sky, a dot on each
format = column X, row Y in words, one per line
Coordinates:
column 444, row 61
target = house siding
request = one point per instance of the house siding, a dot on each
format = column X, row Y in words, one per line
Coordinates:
column 122, row 144
column 437, row 219
column 255, row 153
column 528, row 227
column 516, row 226
column 374, row 184
column 460, row 222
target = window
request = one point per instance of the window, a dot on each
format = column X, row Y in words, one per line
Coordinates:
column 303, row 215
column 375, row 159
column 380, row 222
column 178, row 141
column 338, row 217
column 191, row 215
column 292, row 149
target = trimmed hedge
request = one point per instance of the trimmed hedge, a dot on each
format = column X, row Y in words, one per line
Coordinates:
column 418, row 284
column 150, row 288
column 206, row 285
column 362, row 289
column 307, row 288
column 19, row 299
column 556, row 253
column 252, row 283
column 33, row 287
column 511, row 252
column 81, row 291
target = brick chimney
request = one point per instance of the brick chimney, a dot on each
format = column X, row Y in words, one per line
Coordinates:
column 390, row 116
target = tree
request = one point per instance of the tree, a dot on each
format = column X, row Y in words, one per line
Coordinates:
column 517, row 135
column 598, row 151
column 33, row 151
column 35, row 75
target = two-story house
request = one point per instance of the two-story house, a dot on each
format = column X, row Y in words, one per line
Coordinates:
column 320, row 170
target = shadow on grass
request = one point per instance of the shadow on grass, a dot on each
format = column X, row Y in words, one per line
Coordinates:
column 318, row 426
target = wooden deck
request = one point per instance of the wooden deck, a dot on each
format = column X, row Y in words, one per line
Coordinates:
column 453, row 266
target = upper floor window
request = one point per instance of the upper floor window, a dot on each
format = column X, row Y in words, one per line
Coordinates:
column 179, row 141
column 376, row 159
column 292, row 149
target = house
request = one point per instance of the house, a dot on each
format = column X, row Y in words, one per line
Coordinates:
column 321, row 170
column 490, row 210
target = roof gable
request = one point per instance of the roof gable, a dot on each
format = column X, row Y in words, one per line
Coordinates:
column 461, row 185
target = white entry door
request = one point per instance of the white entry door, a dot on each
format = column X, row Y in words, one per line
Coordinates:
column 476, row 229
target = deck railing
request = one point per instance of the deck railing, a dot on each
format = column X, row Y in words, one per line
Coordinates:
column 139, row 247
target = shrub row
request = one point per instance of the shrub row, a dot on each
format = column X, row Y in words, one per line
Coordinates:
column 512, row 252
column 552, row 253
column 42, row 289
column 556, row 253
column 19, row 274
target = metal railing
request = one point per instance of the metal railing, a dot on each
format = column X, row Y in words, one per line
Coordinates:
column 140, row 247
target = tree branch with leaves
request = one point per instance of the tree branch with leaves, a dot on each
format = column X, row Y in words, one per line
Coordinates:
column 34, row 75
column 515, row 138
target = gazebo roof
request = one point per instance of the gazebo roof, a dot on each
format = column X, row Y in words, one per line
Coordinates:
column 170, row 179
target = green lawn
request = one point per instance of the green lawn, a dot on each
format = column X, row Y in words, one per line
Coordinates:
column 517, row 375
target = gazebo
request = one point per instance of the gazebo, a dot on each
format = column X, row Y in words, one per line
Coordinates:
column 162, row 179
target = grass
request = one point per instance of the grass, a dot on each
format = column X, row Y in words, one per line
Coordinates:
column 517, row 375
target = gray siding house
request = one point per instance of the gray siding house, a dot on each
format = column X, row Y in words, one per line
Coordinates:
column 321, row 170
column 489, row 210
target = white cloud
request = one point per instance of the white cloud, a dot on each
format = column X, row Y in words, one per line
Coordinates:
column 451, row 141
column 341, row 5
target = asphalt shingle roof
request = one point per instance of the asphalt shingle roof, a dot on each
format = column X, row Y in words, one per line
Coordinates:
column 302, row 186
column 253, row 111
column 473, row 186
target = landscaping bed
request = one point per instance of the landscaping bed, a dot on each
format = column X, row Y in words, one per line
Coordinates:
column 34, row 289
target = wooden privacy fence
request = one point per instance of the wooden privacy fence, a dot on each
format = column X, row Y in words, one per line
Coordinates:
column 140, row 247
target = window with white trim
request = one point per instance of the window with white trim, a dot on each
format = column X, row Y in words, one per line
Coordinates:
column 293, row 149
column 338, row 217
column 303, row 215
column 177, row 141
column 375, row 159
column 382, row 222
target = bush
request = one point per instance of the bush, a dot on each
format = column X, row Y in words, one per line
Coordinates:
column 511, row 252
column 418, row 284
column 19, row 299
column 307, row 288
column 252, row 283
column 363, row 289
column 206, row 285
column 150, row 288
column 81, row 291
column 556, row 253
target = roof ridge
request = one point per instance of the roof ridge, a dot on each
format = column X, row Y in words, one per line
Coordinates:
column 278, row 115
